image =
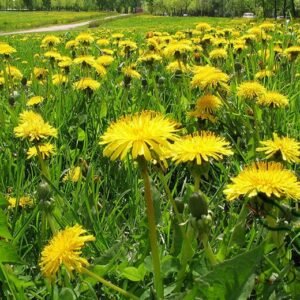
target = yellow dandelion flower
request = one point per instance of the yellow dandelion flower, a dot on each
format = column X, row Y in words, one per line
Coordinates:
column 206, row 106
column 210, row 78
column 40, row 73
column 35, row 100
column 288, row 148
column 84, row 60
column 105, row 60
column 46, row 150
column 84, row 39
column 50, row 41
column 250, row 90
column 23, row 201
column 131, row 72
column 218, row 54
column 2, row 81
column 99, row 69
column 150, row 58
column 13, row 72
column 141, row 134
column 263, row 74
column 72, row 44
column 128, row 45
column 102, row 42
column 273, row 99
column 53, row 55
column 267, row 178
column 86, row 83
column 199, row 147
column 178, row 67
column 32, row 126
column 117, row 36
column 203, row 26
column 6, row 49
column 177, row 49
column 292, row 52
column 58, row 79
column 107, row 51
column 65, row 249
column 73, row 174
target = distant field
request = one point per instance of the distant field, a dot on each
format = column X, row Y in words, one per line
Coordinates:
column 10, row 21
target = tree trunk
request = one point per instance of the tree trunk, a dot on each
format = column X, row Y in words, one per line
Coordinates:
column 284, row 8
column 275, row 9
column 293, row 8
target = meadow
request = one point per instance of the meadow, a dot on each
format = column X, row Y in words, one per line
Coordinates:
column 11, row 20
column 151, row 158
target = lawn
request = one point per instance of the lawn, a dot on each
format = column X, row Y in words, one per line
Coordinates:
column 10, row 20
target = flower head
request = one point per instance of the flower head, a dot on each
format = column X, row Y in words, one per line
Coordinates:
column 87, row 83
column 73, row 174
column 50, row 41
column 32, row 126
column 23, row 201
column 65, row 249
column 6, row 49
column 199, row 147
column 35, row 100
column 46, row 150
column 210, row 78
column 250, row 90
column 141, row 134
column 273, row 99
column 218, row 54
column 288, row 148
column 267, row 178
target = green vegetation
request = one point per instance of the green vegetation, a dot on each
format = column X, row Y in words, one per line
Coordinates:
column 10, row 21
column 151, row 158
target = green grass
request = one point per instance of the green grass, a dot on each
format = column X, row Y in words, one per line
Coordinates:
column 10, row 21
column 108, row 198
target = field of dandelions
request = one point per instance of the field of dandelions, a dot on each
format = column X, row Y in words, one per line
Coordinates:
column 151, row 165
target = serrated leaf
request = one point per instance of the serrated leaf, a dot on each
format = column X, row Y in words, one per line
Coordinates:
column 8, row 254
column 4, row 232
column 228, row 280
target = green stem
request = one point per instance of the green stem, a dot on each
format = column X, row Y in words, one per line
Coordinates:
column 109, row 284
column 152, row 228
column 208, row 250
column 42, row 162
column 196, row 183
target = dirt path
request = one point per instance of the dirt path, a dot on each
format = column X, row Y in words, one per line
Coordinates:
column 59, row 27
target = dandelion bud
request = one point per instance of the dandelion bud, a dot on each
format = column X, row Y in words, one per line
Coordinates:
column 43, row 191
column 198, row 205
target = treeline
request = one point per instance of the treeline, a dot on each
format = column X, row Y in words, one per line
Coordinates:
column 224, row 8
column 109, row 5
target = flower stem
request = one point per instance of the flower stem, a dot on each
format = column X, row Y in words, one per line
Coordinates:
column 197, row 183
column 152, row 228
column 109, row 284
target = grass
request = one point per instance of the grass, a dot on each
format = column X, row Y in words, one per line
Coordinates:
column 197, row 245
column 10, row 20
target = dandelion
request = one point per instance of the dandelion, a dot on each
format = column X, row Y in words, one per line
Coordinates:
column 85, row 39
column 150, row 58
column 33, row 127
column 210, row 78
column 287, row 148
column 199, row 148
column 85, row 60
column 203, row 26
column 178, row 67
column 263, row 74
column 86, row 83
column 206, row 106
column 53, row 55
column 273, row 99
column 73, row 174
column 250, row 90
column 142, row 134
column 72, row 44
column 267, row 178
column 105, row 60
column 176, row 50
column 40, row 73
column 6, row 49
column 13, row 72
column 50, row 41
column 35, row 100
column 45, row 150
column 58, row 79
column 102, row 42
column 130, row 72
column 65, row 249
column 23, row 202
column 218, row 54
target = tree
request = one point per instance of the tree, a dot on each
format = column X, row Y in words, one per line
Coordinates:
column 47, row 4
column 28, row 4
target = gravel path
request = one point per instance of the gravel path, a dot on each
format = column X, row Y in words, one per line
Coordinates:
column 59, row 27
